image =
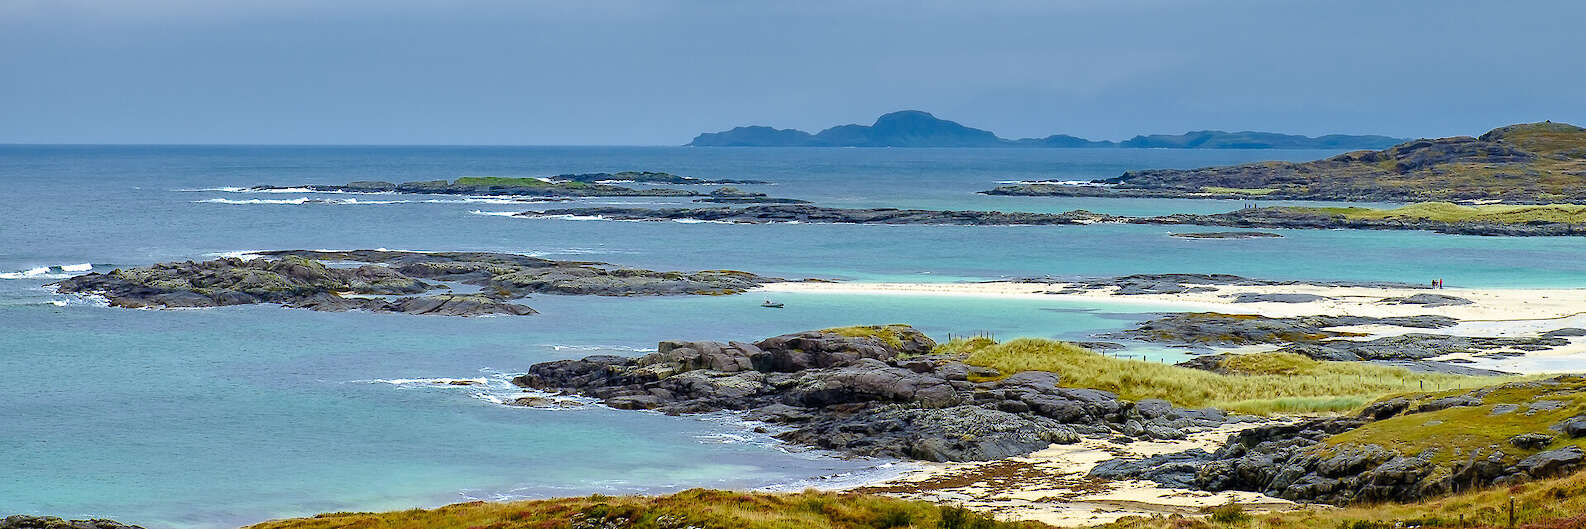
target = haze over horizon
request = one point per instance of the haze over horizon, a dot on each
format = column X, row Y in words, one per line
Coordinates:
column 657, row 73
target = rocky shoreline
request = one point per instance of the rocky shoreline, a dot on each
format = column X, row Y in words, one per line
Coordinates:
column 1315, row 337
column 390, row 281
column 567, row 185
column 1536, row 430
column 870, row 391
column 1256, row 218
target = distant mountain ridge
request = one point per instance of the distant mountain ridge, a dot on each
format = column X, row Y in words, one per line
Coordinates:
column 914, row 128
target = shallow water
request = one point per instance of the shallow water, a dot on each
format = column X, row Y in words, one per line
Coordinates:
column 215, row 418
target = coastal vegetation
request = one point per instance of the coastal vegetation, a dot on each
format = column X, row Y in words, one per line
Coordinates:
column 1555, row 503
column 1535, row 163
column 1456, row 424
column 1261, row 383
column 890, row 333
column 696, row 508
column 1550, row 220
column 1450, row 212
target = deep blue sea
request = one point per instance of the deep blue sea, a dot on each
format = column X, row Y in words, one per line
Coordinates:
column 221, row 417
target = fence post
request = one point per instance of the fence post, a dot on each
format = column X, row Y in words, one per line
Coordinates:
column 1511, row 512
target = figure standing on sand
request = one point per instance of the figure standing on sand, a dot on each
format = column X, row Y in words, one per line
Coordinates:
column 1437, row 283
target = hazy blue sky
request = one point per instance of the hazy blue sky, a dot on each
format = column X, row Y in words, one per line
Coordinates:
column 657, row 72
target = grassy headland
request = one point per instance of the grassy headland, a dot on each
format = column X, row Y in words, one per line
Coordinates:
column 1259, row 383
column 1535, row 163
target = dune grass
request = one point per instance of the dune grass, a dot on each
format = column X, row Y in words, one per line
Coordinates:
column 1547, row 504
column 696, row 508
column 1261, row 383
column 1450, row 212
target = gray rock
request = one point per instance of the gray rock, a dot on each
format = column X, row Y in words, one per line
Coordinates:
column 1251, row 297
column 865, row 396
column 22, row 521
column 1552, row 463
column 1573, row 427
column 1429, row 300
column 1531, row 441
column 299, row 278
column 1176, row 470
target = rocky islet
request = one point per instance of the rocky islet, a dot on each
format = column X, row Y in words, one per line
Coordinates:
column 389, row 281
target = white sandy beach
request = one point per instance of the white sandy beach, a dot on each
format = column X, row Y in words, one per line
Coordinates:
column 1052, row 486
column 1497, row 312
column 1488, row 304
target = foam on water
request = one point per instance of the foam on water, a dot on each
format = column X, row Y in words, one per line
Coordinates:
column 495, row 213
column 49, row 272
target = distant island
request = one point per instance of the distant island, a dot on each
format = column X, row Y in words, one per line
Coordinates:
column 914, row 128
column 1531, row 163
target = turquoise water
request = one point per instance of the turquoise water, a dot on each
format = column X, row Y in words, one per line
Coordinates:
column 215, row 418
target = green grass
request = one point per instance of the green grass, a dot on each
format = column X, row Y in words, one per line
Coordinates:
column 963, row 346
column 1238, row 190
column 1270, row 383
column 1547, row 504
column 886, row 333
column 1474, row 427
column 1449, row 212
column 697, row 508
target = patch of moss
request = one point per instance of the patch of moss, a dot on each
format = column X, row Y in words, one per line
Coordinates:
column 886, row 333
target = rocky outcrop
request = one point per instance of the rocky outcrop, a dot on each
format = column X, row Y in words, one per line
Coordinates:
column 1317, row 338
column 1225, row 235
column 387, row 281
column 22, row 521
column 1215, row 328
column 876, row 392
column 1399, row 449
column 1257, row 218
column 805, row 214
column 567, row 185
column 1427, row 300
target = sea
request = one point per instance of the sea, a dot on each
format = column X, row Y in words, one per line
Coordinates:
column 217, row 418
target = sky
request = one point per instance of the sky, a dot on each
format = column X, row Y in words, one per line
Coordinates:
column 657, row 72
